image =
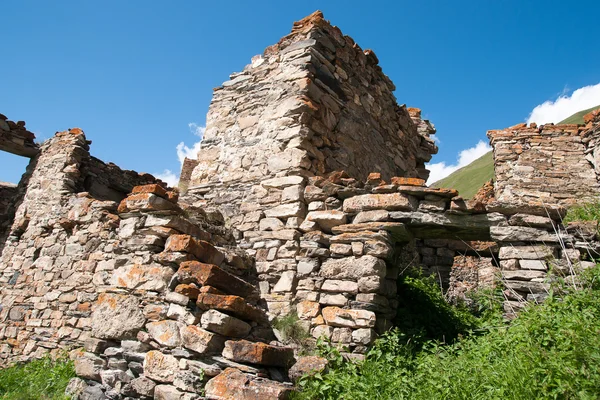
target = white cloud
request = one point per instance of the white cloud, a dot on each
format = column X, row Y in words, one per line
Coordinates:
column 168, row 176
column 465, row 157
column 184, row 151
column 565, row 106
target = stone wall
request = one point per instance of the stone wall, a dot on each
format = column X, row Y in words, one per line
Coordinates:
column 311, row 104
column 16, row 139
column 59, row 236
column 542, row 166
column 175, row 315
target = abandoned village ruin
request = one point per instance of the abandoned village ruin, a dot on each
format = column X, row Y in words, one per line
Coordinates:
column 308, row 196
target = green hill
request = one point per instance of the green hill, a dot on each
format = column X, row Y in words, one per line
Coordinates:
column 470, row 178
column 577, row 118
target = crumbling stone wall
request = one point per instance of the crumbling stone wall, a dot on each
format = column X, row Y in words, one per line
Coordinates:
column 60, row 234
column 542, row 166
column 311, row 104
column 16, row 139
column 175, row 315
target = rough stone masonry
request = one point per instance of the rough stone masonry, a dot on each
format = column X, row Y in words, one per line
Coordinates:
column 308, row 198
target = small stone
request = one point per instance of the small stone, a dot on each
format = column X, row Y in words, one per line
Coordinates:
column 202, row 250
column 307, row 309
column 89, row 366
column 75, row 387
column 307, row 366
column 271, row 224
column 143, row 386
column 224, row 324
column 160, row 367
column 234, row 384
column 364, row 336
column 327, row 219
column 297, row 209
column 353, row 267
column 167, row 392
column 389, row 202
column 210, row 275
column 286, row 282
column 200, row 340
column 165, row 333
column 338, row 317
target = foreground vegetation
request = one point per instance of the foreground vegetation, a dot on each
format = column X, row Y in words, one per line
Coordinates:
column 43, row 379
column 549, row 352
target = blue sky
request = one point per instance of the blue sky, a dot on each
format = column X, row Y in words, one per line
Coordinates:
column 134, row 74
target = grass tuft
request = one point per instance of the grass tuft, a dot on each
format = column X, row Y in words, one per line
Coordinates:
column 42, row 379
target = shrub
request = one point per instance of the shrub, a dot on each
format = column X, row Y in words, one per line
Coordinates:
column 549, row 351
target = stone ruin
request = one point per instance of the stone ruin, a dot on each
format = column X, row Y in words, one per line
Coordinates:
column 308, row 197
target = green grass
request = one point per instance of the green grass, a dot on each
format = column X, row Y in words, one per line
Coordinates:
column 469, row 179
column 43, row 379
column 577, row 118
column 549, row 351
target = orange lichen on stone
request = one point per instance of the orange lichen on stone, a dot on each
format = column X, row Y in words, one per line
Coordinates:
column 152, row 188
column 414, row 112
column 591, row 116
column 398, row 180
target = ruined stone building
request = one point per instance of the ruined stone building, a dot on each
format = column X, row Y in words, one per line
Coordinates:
column 308, row 197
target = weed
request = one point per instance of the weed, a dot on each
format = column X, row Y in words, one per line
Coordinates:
column 548, row 352
column 291, row 329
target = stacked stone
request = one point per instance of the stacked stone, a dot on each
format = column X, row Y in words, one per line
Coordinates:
column 539, row 166
column 312, row 104
column 173, row 320
column 16, row 139
column 591, row 138
column 330, row 248
column 533, row 250
column 60, row 235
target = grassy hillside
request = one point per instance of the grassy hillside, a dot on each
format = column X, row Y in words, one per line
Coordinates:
column 577, row 118
column 470, row 178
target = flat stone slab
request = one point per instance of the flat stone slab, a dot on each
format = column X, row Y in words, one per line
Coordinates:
column 389, row 202
column 258, row 353
column 540, row 252
column 352, row 268
column 211, row 275
column 339, row 317
column 396, row 229
column 202, row 250
column 234, row 305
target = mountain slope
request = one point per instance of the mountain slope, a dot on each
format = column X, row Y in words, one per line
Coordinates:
column 470, row 178
column 577, row 118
